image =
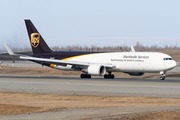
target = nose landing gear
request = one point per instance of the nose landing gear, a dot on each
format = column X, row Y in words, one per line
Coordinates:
column 162, row 73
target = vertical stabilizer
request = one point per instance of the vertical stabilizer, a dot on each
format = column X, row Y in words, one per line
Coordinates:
column 37, row 42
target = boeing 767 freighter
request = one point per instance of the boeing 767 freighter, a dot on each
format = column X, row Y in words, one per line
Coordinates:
column 95, row 63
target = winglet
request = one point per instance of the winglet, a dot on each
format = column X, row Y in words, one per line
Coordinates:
column 9, row 50
column 132, row 49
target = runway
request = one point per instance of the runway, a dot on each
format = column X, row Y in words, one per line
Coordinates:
column 96, row 86
column 128, row 87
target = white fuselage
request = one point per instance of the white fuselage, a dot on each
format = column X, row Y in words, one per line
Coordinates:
column 128, row 61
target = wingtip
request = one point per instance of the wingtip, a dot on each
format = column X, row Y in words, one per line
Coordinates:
column 132, row 49
column 8, row 49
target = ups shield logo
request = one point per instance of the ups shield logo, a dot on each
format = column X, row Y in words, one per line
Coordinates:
column 35, row 39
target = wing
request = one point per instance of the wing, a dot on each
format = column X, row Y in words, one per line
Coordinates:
column 45, row 61
column 61, row 62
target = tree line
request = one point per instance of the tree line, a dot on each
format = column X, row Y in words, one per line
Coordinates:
column 173, row 51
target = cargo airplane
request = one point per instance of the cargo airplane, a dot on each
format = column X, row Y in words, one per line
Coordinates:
column 95, row 62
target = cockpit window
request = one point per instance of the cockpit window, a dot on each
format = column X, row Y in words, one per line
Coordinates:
column 167, row 59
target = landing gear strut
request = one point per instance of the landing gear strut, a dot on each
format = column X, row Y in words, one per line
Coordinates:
column 162, row 73
column 85, row 76
column 109, row 76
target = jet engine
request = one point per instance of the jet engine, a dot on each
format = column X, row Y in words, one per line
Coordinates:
column 96, row 69
column 135, row 73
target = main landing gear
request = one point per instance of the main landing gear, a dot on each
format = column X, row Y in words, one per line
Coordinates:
column 162, row 73
column 85, row 76
column 109, row 76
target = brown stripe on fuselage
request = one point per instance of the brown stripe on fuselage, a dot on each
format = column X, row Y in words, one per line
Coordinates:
column 65, row 55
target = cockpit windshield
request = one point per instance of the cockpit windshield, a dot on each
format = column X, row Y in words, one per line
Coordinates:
column 167, row 59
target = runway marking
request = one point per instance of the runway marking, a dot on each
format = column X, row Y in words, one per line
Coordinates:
column 100, row 85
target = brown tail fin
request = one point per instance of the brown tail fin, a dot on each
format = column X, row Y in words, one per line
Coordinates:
column 37, row 42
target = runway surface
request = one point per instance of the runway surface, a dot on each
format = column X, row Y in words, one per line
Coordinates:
column 95, row 86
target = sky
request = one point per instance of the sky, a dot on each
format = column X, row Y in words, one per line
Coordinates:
column 92, row 22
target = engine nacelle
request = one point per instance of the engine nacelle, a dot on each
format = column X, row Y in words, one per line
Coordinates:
column 96, row 69
column 135, row 73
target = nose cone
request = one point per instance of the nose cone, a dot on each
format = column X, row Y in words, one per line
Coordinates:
column 170, row 65
column 174, row 64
